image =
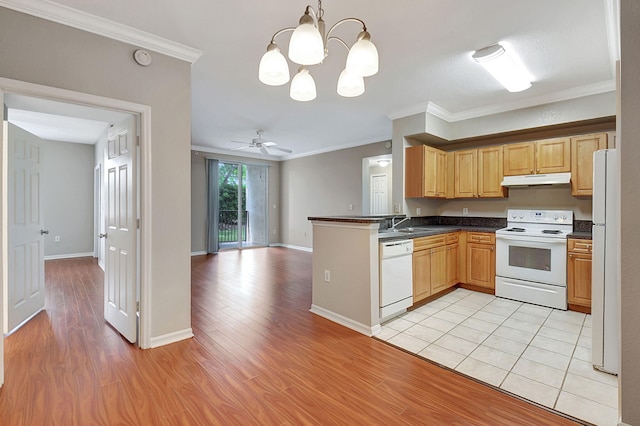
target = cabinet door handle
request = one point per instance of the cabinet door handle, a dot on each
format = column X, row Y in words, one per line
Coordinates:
column 491, row 248
column 531, row 171
column 538, row 171
column 570, row 255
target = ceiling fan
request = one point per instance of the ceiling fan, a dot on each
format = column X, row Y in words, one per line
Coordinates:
column 262, row 144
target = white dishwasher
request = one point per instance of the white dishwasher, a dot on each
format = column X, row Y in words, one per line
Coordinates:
column 396, row 277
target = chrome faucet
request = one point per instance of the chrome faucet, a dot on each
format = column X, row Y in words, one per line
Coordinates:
column 394, row 224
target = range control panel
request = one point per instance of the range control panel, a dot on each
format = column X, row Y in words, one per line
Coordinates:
column 540, row 216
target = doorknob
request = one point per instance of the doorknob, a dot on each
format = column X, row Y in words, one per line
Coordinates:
column 102, row 235
column 43, row 232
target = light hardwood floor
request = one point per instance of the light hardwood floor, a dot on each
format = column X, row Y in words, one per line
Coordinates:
column 259, row 357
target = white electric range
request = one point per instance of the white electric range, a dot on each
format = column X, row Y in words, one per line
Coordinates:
column 531, row 257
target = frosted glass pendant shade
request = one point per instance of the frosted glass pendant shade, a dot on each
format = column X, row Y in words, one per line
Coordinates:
column 303, row 88
column 273, row 70
column 363, row 56
column 350, row 84
column 503, row 68
column 306, row 46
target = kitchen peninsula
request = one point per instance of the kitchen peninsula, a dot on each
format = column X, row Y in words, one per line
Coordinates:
column 345, row 282
column 345, row 274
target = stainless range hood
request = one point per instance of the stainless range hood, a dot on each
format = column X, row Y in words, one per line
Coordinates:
column 532, row 180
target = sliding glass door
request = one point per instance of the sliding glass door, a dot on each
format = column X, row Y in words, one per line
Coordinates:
column 238, row 200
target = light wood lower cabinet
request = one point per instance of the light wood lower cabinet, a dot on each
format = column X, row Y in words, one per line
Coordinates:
column 421, row 275
column 481, row 259
column 579, row 260
column 435, row 264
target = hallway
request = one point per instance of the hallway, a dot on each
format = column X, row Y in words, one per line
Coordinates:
column 258, row 357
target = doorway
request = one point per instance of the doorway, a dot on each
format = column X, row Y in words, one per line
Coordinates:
column 376, row 185
column 77, row 99
column 238, row 205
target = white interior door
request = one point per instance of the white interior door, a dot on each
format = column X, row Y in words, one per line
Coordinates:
column 25, row 277
column 99, row 216
column 120, row 286
column 379, row 194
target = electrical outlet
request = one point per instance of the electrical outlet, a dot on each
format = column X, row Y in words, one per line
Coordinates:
column 327, row 276
column 274, row 232
column 350, row 206
column 56, row 238
column 418, row 211
column 465, row 210
column 396, row 208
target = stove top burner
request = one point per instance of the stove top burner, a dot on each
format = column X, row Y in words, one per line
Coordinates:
column 551, row 231
column 516, row 229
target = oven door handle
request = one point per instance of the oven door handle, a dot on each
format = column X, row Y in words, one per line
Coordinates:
column 524, row 239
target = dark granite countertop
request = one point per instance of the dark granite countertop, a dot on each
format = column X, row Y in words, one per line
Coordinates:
column 350, row 219
column 428, row 230
column 580, row 235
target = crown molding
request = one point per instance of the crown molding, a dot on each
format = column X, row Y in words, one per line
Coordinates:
column 565, row 95
column 94, row 24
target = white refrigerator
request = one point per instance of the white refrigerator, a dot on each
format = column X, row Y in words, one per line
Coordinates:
column 604, row 290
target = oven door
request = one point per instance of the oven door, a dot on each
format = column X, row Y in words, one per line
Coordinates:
column 537, row 259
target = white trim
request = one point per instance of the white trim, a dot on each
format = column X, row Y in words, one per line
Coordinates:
column 144, row 112
column 94, row 24
column 347, row 322
column 289, row 246
column 198, row 253
column 169, row 338
column 451, row 117
column 565, row 95
column 408, row 111
column 70, row 256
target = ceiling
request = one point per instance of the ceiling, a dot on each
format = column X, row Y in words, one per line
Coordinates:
column 425, row 47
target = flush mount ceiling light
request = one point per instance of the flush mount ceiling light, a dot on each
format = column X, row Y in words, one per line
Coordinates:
column 503, row 68
column 309, row 46
column 384, row 163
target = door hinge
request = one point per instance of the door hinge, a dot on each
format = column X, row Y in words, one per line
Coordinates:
column 137, row 140
column 137, row 306
column 138, row 223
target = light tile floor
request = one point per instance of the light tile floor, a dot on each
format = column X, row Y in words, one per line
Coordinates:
column 539, row 353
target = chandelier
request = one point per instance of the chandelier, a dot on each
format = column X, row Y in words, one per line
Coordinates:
column 309, row 46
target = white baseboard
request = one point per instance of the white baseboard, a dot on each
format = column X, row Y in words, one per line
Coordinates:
column 167, row 339
column 289, row 246
column 347, row 322
column 69, row 256
column 198, row 253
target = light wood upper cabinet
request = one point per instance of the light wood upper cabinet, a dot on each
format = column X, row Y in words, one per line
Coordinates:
column 539, row 157
column 582, row 149
column 425, row 172
column 579, row 261
column 490, row 172
column 478, row 173
column 519, row 159
column 465, row 174
column 553, row 156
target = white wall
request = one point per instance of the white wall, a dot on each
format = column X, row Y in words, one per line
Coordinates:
column 629, row 154
column 552, row 198
column 42, row 52
column 322, row 185
column 68, row 198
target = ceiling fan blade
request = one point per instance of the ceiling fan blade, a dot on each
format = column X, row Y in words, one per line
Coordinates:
column 246, row 143
column 281, row 149
column 264, row 150
column 243, row 147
